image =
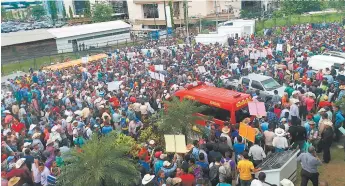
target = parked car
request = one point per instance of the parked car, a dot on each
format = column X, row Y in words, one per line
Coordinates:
column 265, row 84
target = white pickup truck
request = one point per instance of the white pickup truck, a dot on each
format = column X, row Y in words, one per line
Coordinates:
column 265, row 84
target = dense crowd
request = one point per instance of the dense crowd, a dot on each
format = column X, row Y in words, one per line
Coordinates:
column 45, row 113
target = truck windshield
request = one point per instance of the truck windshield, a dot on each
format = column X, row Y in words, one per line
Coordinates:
column 270, row 84
column 215, row 112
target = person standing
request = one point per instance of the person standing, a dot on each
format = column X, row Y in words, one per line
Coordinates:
column 245, row 169
column 257, row 153
column 280, row 142
column 338, row 122
column 326, row 141
column 298, row 135
column 309, row 162
column 260, row 181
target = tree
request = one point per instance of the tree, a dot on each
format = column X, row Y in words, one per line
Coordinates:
column 53, row 10
column 38, row 12
column 341, row 104
column 180, row 118
column 23, row 15
column 70, row 12
column 3, row 13
column 100, row 162
column 87, row 10
column 299, row 7
column 101, row 12
column 64, row 13
column 10, row 15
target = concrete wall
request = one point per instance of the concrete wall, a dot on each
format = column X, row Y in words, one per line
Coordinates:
column 26, row 51
column 231, row 31
column 64, row 46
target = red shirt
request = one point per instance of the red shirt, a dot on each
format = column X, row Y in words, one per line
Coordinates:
column 310, row 103
column 187, row 180
column 324, row 104
column 19, row 127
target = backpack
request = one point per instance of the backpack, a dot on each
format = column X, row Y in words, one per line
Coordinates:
column 197, row 172
column 227, row 167
column 214, row 174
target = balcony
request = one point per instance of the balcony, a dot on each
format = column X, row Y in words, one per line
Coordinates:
column 158, row 21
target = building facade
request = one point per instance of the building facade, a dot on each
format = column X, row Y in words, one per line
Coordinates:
column 151, row 13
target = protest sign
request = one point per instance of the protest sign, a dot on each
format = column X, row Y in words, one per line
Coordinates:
column 175, row 143
column 257, row 108
column 247, row 132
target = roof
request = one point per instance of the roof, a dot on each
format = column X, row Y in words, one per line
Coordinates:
column 257, row 77
column 20, row 37
column 87, row 29
column 213, row 95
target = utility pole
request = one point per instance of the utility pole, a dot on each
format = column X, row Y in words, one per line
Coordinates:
column 166, row 21
column 154, row 14
column 186, row 12
column 216, row 7
column 200, row 23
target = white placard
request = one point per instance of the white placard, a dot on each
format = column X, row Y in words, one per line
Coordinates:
column 162, row 77
column 159, row 67
column 168, row 16
column 114, row 85
column 201, row 69
column 84, row 60
column 279, row 47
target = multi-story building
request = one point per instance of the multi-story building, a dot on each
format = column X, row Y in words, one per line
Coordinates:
column 151, row 13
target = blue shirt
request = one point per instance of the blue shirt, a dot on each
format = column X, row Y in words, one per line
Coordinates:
column 145, row 165
column 239, row 148
column 307, row 127
column 107, row 129
column 158, row 166
column 339, row 118
column 203, row 165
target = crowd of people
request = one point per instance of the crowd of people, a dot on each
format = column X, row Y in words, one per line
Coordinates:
column 45, row 113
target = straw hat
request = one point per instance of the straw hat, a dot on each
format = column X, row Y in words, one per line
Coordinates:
column 36, row 135
column 342, row 87
column 173, row 181
column 286, row 182
column 147, row 178
column 152, row 142
column 225, row 129
column 49, row 141
column 311, row 123
column 7, row 112
column 20, row 162
column 246, row 120
column 288, row 72
column 32, row 126
column 14, row 180
column 27, row 144
column 189, row 147
column 279, row 132
column 322, row 110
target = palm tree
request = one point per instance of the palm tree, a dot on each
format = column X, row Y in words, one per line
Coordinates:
column 101, row 163
column 180, row 118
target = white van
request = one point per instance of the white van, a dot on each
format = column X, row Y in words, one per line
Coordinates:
column 325, row 61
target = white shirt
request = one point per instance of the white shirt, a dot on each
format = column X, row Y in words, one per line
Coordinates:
column 280, row 142
column 256, row 183
column 36, row 173
column 88, row 133
column 44, row 176
column 257, row 152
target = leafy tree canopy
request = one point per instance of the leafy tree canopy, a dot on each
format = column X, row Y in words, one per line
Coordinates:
column 99, row 162
column 102, row 12
column 38, row 11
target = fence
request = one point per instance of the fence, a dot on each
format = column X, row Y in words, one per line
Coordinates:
column 24, row 62
column 299, row 19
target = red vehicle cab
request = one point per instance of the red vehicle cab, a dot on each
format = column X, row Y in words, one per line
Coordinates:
column 221, row 104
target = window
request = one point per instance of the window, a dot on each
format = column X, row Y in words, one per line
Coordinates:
column 176, row 9
column 245, row 81
column 242, row 114
column 270, row 84
column 257, row 85
column 103, row 35
column 150, row 11
column 217, row 113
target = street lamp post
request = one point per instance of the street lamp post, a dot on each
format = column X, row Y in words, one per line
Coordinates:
column 154, row 6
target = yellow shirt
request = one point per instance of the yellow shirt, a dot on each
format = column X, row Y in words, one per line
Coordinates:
column 245, row 167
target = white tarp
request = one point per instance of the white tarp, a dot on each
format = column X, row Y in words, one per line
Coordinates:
column 114, row 85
